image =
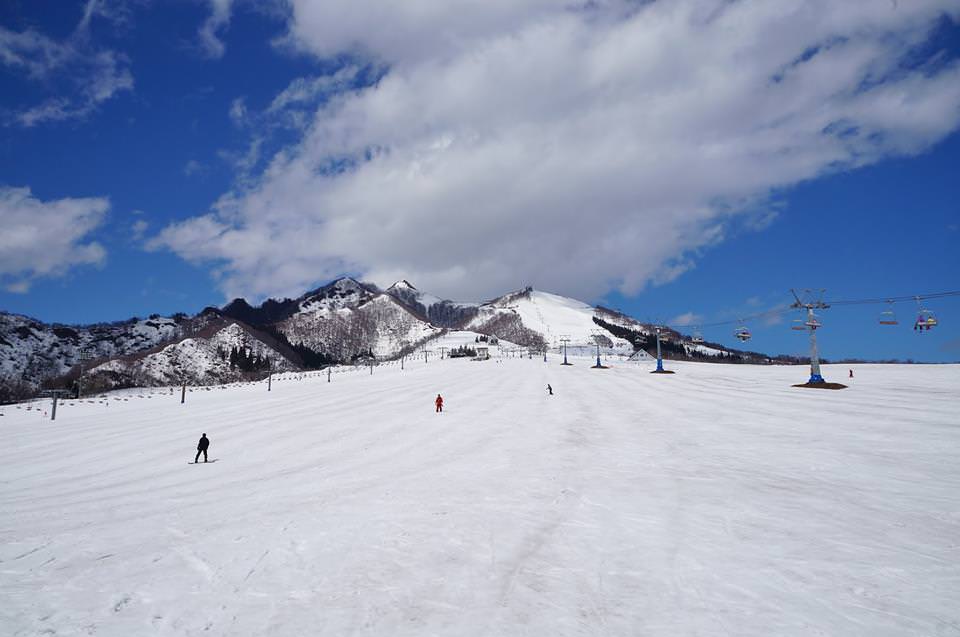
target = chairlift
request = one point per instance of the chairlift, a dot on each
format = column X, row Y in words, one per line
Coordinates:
column 743, row 333
column 697, row 336
column 926, row 320
column 888, row 317
column 813, row 321
column 798, row 325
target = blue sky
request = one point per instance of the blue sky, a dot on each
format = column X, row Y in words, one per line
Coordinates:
column 673, row 159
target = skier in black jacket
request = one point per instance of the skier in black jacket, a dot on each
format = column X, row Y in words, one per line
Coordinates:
column 202, row 448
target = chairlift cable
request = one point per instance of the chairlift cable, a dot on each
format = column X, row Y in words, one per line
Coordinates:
column 874, row 301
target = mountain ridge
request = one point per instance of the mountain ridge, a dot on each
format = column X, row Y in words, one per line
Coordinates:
column 344, row 321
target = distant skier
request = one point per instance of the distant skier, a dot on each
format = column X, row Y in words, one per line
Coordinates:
column 549, row 389
column 202, row 448
column 851, row 373
column 439, row 403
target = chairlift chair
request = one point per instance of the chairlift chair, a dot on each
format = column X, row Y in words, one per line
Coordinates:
column 888, row 317
column 926, row 320
column 798, row 325
column 813, row 322
column 743, row 333
column 697, row 337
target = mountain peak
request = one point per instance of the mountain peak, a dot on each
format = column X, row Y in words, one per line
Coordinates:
column 237, row 305
column 345, row 282
column 402, row 284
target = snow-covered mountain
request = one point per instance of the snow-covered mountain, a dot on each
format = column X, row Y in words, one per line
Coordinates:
column 342, row 322
column 31, row 351
column 347, row 319
column 534, row 318
column 439, row 312
column 224, row 352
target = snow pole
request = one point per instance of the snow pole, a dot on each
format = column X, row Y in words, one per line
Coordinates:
column 328, row 374
column 183, row 393
column 269, row 381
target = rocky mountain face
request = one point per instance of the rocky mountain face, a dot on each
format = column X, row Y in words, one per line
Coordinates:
column 338, row 323
column 343, row 322
column 346, row 320
column 222, row 351
column 440, row 312
column 32, row 351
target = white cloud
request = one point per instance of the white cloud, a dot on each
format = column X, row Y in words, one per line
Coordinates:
column 577, row 149
column 238, row 111
column 93, row 75
column 138, row 229
column 118, row 12
column 415, row 31
column 194, row 167
column 309, row 90
column 46, row 238
column 219, row 19
column 244, row 162
column 685, row 319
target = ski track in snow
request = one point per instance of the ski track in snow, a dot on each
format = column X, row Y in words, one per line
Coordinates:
column 717, row 501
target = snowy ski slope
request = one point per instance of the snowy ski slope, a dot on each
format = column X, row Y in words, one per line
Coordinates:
column 717, row 501
column 552, row 316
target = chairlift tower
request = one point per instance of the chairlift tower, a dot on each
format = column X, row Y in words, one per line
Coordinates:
column 657, row 329
column 597, row 334
column 85, row 355
column 55, row 394
column 564, row 340
column 812, row 324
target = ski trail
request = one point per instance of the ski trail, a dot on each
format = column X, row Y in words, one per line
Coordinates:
column 716, row 499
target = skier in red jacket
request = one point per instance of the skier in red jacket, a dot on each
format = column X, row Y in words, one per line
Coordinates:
column 439, row 403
